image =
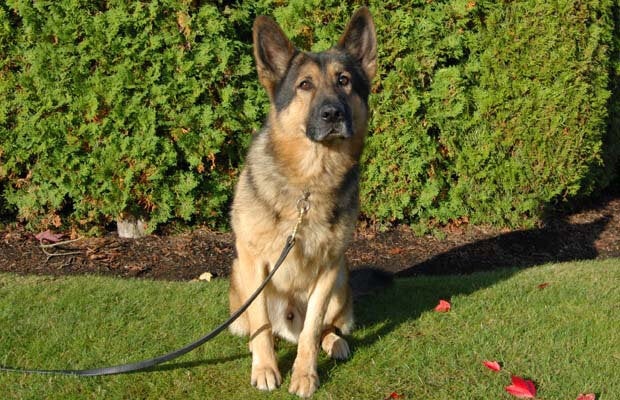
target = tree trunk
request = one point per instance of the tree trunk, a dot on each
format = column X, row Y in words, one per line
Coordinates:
column 130, row 227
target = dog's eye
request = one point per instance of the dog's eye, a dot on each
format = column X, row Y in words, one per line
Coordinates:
column 306, row 85
column 343, row 80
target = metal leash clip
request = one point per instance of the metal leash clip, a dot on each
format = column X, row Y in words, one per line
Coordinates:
column 303, row 205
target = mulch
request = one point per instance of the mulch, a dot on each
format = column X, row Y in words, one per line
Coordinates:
column 588, row 232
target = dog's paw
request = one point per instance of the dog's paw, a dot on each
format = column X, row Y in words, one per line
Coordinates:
column 304, row 383
column 266, row 378
column 335, row 347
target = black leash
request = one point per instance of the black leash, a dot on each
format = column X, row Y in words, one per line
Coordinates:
column 142, row 365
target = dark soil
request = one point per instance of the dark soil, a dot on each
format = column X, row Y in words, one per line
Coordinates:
column 593, row 231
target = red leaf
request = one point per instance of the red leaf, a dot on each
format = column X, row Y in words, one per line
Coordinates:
column 394, row 395
column 492, row 365
column 48, row 236
column 521, row 388
column 396, row 251
column 589, row 396
column 543, row 285
column 443, row 306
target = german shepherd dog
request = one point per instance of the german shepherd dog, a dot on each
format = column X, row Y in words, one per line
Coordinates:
column 309, row 148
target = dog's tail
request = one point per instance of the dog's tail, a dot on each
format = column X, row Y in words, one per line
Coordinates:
column 367, row 280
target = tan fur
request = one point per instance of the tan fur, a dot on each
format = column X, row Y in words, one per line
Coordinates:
column 308, row 301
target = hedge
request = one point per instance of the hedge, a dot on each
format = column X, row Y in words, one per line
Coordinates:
column 487, row 111
column 492, row 110
column 124, row 107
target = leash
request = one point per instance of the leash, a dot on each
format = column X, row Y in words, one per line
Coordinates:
column 303, row 206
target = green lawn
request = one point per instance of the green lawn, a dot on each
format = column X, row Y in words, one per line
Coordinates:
column 563, row 337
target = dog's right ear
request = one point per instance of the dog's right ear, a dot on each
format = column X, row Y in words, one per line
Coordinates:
column 273, row 52
column 360, row 41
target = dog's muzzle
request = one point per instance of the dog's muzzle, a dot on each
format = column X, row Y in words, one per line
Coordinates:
column 330, row 121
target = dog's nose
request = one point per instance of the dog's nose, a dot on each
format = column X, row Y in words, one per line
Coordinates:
column 331, row 113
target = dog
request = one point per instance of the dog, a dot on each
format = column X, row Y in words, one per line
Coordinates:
column 308, row 150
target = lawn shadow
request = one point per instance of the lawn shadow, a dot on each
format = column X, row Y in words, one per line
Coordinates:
column 558, row 241
column 407, row 299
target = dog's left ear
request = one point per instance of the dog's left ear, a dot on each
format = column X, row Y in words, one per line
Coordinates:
column 360, row 41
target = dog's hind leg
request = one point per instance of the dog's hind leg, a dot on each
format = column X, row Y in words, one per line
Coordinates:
column 334, row 345
column 241, row 326
column 338, row 320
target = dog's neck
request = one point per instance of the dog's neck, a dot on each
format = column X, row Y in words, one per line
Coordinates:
column 310, row 165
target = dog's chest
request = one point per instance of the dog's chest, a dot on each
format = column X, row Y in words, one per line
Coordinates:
column 321, row 241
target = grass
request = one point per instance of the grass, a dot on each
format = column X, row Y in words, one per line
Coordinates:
column 564, row 337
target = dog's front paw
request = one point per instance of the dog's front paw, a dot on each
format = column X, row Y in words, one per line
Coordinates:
column 266, row 378
column 304, row 382
column 335, row 347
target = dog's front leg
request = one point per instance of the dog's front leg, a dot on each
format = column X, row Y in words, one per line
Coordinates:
column 265, row 372
column 305, row 379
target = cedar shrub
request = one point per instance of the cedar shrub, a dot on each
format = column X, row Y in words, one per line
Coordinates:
column 487, row 111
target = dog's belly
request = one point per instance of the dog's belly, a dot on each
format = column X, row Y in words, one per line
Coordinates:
column 286, row 314
column 288, row 294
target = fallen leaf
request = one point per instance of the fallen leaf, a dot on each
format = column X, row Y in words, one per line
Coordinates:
column 543, row 285
column 48, row 236
column 394, row 395
column 589, row 396
column 521, row 388
column 443, row 306
column 492, row 365
column 396, row 250
column 205, row 276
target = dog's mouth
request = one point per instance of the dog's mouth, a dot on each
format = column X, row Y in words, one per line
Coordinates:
column 335, row 134
column 329, row 133
column 330, row 122
column 339, row 132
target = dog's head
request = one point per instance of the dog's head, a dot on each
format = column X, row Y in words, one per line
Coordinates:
column 321, row 95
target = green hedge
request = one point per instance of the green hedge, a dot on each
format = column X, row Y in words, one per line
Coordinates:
column 482, row 110
column 118, row 106
column 492, row 109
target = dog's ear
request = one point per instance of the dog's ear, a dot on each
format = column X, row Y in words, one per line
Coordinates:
column 273, row 52
column 360, row 41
